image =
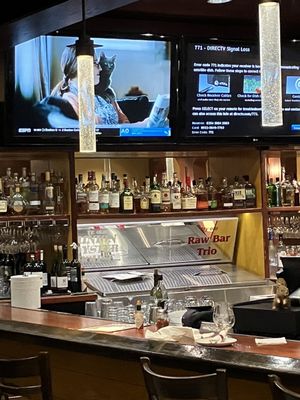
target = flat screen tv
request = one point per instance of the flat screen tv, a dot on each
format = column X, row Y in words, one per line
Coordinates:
column 221, row 93
column 136, row 76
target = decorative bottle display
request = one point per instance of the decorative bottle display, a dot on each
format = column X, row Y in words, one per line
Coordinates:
column 139, row 316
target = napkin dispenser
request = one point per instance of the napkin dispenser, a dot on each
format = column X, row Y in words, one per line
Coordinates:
column 258, row 318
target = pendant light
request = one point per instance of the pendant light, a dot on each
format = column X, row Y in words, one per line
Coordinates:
column 86, row 90
column 270, row 62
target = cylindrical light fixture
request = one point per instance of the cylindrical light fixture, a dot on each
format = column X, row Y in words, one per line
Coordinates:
column 270, row 63
column 86, row 91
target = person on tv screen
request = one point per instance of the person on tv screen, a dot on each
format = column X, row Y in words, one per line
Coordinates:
column 107, row 110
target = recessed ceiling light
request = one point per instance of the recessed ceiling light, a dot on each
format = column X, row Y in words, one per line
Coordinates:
column 218, row 1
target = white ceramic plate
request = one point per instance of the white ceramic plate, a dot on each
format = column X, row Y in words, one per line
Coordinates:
column 209, row 341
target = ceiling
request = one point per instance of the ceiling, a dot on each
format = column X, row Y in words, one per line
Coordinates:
column 236, row 19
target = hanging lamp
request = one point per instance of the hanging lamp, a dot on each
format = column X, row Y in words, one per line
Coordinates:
column 270, row 62
column 86, row 89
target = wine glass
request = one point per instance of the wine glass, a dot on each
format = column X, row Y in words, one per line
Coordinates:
column 223, row 317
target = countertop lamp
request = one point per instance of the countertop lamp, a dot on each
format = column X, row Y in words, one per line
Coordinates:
column 270, row 63
column 86, row 90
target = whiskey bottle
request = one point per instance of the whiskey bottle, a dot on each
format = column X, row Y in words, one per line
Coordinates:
column 92, row 189
column 239, row 193
column 114, row 198
column 165, row 193
column 48, row 205
column 250, row 201
column 17, row 205
column 24, row 184
column 81, row 196
column 175, row 194
column 104, row 196
column 212, row 194
column 145, row 196
column 158, row 293
column 136, row 195
column 155, row 196
column 225, row 195
column 126, row 199
column 188, row 198
column 202, row 195
column 3, row 200
column 33, row 196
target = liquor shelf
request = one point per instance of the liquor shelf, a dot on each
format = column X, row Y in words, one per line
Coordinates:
column 34, row 220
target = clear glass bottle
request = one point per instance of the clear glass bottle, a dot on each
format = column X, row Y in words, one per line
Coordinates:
column 145, row 196
column 175, row 194
column 165, row 193
column 188, row 198
column 8, row 183
column 158, row 293
column 104, row 196
column 24, row 182
column 48, row 205
column 287, row 192
column 225, row 195
column 212, row 194
column 92, row 189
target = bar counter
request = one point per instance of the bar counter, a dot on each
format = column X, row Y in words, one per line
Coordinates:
column 95, row 365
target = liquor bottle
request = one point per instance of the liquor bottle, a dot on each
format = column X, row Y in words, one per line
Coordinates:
column 281, row 251
column 271, row 193
column 136, row 196
column 296, row 191
column 212, row 194
column 145, row 196
column 158, row 293
column 273, row 261
column 239, row 193
column 92, row 189
column 139, row 316
column 53, row 272
column 104, row 196
column 250, row 201
column 45, row 274
column 75, row 271
column 61, row 271
column 3, row 200
column 278, row 192
column 165, row 193
column 48, row 205
column 175, row 194
column 188, row 198
column 155, row 196
column 81, row 196
column 225, row 195
column 126, row 198
column 287, row 192
column 66, row 264
column 114, row 198
column 34, row 207
column 24, row 182
column 17, row 205
column 201, row 195
column 8, row 183
column 59, row 200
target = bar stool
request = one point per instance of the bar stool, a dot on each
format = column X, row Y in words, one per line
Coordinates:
column 34, row 370
column 280, row 392
column 209, row 386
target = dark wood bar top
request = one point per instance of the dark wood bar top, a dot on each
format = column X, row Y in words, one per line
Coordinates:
column 68, row 330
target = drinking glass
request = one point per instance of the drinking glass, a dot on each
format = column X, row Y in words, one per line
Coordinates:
column 223, row 317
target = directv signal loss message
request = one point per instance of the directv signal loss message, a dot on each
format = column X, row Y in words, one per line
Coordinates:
column 225, row 83
column 223, row 91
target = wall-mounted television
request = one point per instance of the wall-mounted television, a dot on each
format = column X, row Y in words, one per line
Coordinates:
column 221, row 93
column 136, row 94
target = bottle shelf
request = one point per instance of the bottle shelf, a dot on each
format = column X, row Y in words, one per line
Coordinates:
column 34, row 220
column 280, row 210
column 211, row 213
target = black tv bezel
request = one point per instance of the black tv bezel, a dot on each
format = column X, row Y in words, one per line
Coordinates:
column 12, row 138
column 262, row 139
